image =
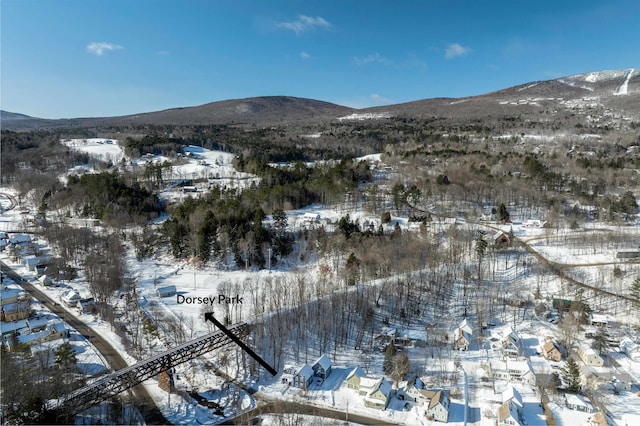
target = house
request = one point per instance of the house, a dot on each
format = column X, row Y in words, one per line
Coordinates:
column 45, row 280
column 590, row 357
column 438, row 409
column 509, row 370
column 379, row 396
column 511, row 394
column 508, row 414
column 368, row 384
column 16, row 311
column 510, row 343
column 578, row 403
column 500, row 238
column 54, row 330
column 599, row 320
column 550, row 351
column 623, row 382
column 86, row 306
column 415, row 391
column 302, row 378
column 10, row 295
column 311, row 217
column 461, row 340
column 70, row 297
column 628, row 254
column 167, row 291
column 322, row 367
column 630, row 349
column 353, row 378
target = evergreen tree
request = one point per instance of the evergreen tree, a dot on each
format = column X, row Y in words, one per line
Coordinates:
column 481, row 250
column 571, row 376
column 599, row 341
column 389, row 354
column 635, row 292
column 502, row 213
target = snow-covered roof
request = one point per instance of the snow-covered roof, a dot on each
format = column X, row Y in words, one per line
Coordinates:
column 305, row 371
column 599, row 318
column 520, row 366
column 511, row 394
column 323, row 362
column 358, row 371
column 576, row 400
column 369, row 382
column 465, row 326
column 384, row 386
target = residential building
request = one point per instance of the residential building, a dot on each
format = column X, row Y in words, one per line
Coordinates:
column 379, row 396
column 519, row 371
column 578, row 403
column 511, row 343
column 508, row 414
column 438, row 408
column 167, row 291
column 462, row 336
column 353, row 378
column 590, row 357
column 551, row 351
column 322, row 367
column 302, row 378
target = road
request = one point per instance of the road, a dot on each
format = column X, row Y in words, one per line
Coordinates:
column 144, row 401
column 280, row 407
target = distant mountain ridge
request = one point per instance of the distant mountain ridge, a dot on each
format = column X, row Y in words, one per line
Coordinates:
column 618, row 90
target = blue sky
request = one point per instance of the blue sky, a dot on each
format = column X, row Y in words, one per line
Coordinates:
column 83, row 58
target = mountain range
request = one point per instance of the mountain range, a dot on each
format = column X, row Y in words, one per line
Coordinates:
column 605, row 93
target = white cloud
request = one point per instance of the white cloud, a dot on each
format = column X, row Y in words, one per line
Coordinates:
column 379, row 99
column 305, row 23
column 100, row 48
column 304, row 55
column 454, row 50
column 370, row 59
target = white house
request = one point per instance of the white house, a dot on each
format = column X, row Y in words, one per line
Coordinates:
column 70, row 297
column 578, row 403
column 511, row 394
column 519, row 371
column 508, row 414
column 599, row 320
column 590, row 357
column 438, row 408
column 462, row 336
column 167, row 291
column 511, row 343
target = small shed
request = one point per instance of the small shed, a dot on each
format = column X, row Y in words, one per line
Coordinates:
column 167, row 291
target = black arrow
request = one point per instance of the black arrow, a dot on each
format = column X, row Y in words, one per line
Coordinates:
column 208, row 316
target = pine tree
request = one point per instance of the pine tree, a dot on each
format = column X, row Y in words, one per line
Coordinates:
column 389, row 354
column 571, row 376
column 599, row 341
column 635, row 292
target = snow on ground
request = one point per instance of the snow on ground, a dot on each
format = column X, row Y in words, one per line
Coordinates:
column 365, row 116
column 105, row 149
column 623, row 89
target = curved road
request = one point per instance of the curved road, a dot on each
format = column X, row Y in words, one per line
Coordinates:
column 145, row 403
column 280, row 407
